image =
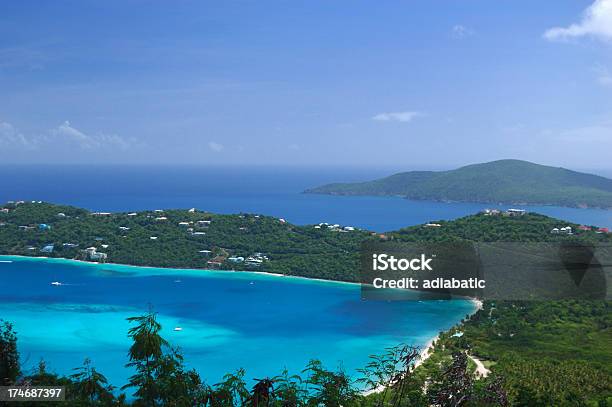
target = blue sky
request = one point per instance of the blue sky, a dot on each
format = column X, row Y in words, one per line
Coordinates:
column 406, row 84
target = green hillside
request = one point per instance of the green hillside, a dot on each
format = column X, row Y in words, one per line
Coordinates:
column 504, row 181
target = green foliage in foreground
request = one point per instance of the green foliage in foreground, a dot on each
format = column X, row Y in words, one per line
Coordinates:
column 551, row 353
column 161, row 379
column 510, row 181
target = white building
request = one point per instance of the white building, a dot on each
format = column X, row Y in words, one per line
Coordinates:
column 515, row 212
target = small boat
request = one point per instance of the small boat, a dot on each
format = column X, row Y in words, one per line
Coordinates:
column 251, row 283
column 178, row 329
column 6, row 261
column 56, row 283
column 177, row 281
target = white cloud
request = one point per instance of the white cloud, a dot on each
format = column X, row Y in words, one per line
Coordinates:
column 396, row 116
column 64, row 136
column 596, row 22
column 461, row 31
column 10, row 137
column 65, row 132
column 72, row 135
column 216, row 147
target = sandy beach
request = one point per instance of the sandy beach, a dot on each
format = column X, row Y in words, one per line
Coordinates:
column 426, row 351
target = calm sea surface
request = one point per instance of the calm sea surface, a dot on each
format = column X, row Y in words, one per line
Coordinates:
column 229, row 320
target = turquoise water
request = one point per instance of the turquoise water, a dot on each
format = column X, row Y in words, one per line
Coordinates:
column 230, row 320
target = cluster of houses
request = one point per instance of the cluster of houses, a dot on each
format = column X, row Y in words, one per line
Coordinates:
column 255, row 260
column 567, row 230
column 508, row 212
column 190, row 225
column 334, row 228
column 596, row 230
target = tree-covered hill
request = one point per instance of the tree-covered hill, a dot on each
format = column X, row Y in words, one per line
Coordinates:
column 505, row 181
column 202, row 240
column 184, row 239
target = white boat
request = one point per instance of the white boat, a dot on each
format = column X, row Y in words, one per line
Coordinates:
column 6, row 261
column 178, row 329
column 57, row 283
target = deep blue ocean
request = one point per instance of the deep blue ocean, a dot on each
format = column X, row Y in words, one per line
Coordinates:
column 264, row 190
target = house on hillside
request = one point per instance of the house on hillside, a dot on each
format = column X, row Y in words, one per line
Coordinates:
column 491, row 212
column 93, row 254
column 216, row 261
column 515, row 212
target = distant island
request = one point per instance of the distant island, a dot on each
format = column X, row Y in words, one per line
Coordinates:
column 503, row 181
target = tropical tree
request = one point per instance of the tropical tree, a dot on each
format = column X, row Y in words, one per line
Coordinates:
column 262, row 393
column 453, row 387
column 9, row 355
column 178, row 386
column 91, row 385
column 144, row 355
column 289, row 390
column 330, row 389
column 231, row 392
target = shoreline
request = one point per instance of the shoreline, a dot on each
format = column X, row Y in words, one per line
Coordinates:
column 261, row 273
column 426, row 351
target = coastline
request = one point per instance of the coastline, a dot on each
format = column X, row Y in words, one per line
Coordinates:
column 426, row 351
column 260, row 273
